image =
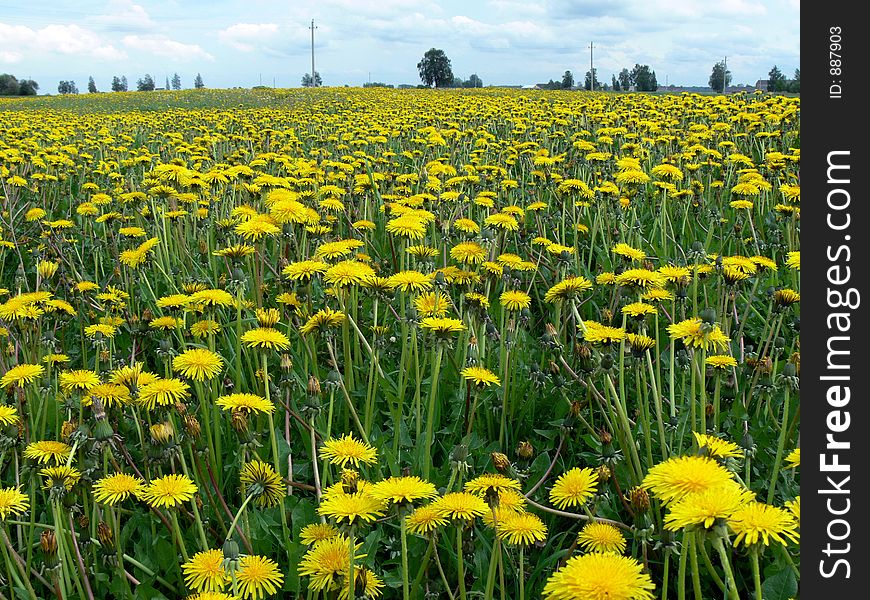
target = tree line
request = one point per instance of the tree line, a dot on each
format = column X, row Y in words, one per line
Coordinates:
column 11, row 86
column 720, row 79
column 435, row 70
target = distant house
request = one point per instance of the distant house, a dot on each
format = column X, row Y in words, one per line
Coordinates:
column 762, row 84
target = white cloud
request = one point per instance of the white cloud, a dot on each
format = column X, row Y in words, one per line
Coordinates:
column 244, row 37
column 124, row 15
column 160, row 45
column 17, row 41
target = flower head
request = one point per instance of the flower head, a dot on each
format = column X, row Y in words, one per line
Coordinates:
column 346, row 449
column 674, row 478
column 520, row 528
column 574, row 487
column 205, row 572
column 758, row 522
column 600, row 576
column 403, row 490
column 19, row 375
column 117, row 488
column 246, row 403
column 480, row 376
column 198, row 364
column 46, row 451
column 317, row 532
column 261, row 481
column 460, row 506
column 601, row 537
column 169, row 491
column 515, row 300
column 704, row 508
column 266, row 338
column 258, row 577
column 12, row 502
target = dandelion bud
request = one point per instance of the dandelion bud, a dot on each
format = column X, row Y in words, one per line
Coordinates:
column 607, row 315
column 192, row 427
column 605, row 437
column 501, row 462
column 105, row 534
column 147, row 315
column 286, row 362
column 349, row 481
column 638, row 498
column 67, row 429
column 231, row 550
column 708, row 315
column 604, row 473
column 525, row 451
column 103, row 430
column 313, row 386
column 48, row 546
column 84, row 521
column 104, row 356
column 267, row 317
column 161, row 433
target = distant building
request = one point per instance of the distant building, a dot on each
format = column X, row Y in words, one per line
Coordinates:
column 762, row 84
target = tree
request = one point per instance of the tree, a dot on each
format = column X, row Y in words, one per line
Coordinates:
column 614, row 82
column 794, row 85
column 306, row 80
column 92, row 86
column 567, row 80
column 176, row 82
column 9, row 85
column 776, row 81
column 457, row 82
column 473, row 81
column 720, row 78
column 197, row 82
column 167, row 83
column 146, row 84
column 643, row 79
column 67, row 87
column 116, row 84
column 124, row 86
column 592, row 80
column 435, row 69
column 625, row 81
column 27, row 87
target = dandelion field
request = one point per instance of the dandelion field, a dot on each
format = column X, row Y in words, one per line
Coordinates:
column 344, row 343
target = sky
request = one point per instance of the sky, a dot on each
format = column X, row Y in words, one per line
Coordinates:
column 505, row 42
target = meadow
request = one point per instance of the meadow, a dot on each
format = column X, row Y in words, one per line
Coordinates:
column 345, row 343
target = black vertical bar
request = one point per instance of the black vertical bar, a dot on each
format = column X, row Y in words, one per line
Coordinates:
column 835, row 246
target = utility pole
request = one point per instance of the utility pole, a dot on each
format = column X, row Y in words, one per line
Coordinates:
column 725, row 75
column 313, row 80
column 591, row 70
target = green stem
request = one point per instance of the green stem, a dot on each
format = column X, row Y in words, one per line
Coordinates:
column 731, row 583
column 403, row 530
column 430, row 418
column 780, row 447
column 460, row 563
column 756, row 572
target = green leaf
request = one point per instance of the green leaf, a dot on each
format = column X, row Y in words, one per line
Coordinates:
column 780, row 586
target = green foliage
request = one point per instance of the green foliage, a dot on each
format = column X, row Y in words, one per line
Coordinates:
column 776, row 81
column 720, row 78
column 434, row 69
column 67, row 87
column 308, row 82
column 146, row 84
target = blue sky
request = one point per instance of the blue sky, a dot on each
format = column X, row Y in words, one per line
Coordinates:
column 503, row 41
